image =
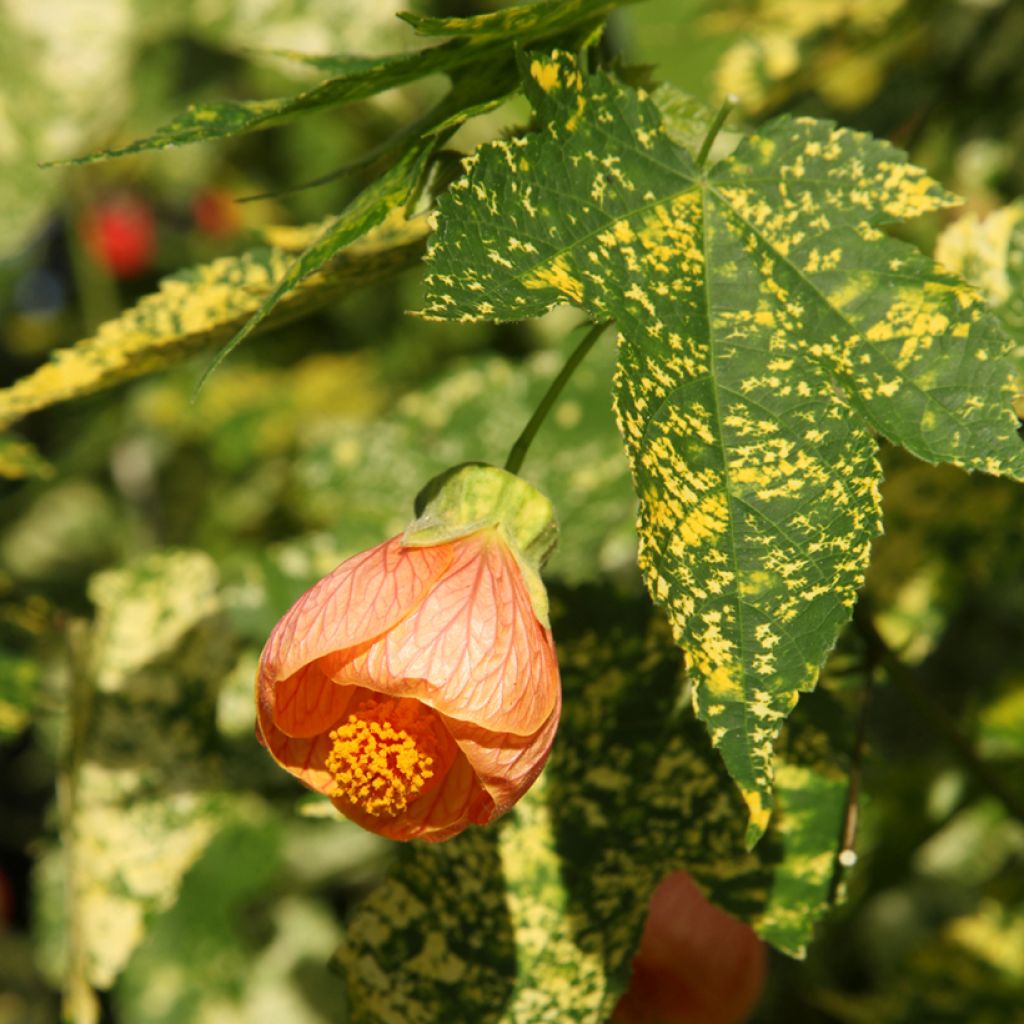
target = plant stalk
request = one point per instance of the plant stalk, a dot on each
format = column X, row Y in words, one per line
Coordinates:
column 525, row 439
column 728, row 104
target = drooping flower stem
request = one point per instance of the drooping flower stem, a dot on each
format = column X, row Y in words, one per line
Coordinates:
column 716, row 126
column 525, row 439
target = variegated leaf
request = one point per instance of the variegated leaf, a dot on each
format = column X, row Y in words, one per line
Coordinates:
column 141, row 792
column 206, row 304
column 768, row 329
column 483, row 38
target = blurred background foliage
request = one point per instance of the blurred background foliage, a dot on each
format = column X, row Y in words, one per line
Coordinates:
column 153, row 863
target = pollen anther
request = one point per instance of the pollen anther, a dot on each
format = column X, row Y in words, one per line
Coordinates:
column 383, row 756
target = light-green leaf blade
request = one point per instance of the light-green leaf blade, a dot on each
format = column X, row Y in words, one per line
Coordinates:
column 355, row 78
column 392, row 191
column 750, row 376
column 352, row 78
column 519, row 22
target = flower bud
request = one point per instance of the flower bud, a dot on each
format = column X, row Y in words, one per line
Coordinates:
column 696, row 964
column 417, row 684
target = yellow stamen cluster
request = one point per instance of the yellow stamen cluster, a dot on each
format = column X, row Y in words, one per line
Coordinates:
column 377, row 764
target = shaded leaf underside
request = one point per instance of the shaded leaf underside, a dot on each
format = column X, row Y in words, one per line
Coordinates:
column 768, row 329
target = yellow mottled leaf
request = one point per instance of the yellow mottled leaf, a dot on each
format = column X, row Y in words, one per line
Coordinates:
column 202, row 306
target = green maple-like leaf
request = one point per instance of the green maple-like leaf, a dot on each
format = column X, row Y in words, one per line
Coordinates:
column 768, row 330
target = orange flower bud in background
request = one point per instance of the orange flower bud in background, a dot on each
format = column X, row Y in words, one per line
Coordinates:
column 417, row 685
column 215, row 213
column 696, row 964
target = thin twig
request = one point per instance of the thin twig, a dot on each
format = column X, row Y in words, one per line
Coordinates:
column 515, row 457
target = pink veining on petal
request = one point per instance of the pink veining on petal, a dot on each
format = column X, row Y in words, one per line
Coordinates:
column 361, row 599
column 506, row 764
column 307, row 702
column 450, row 625
column 472, row 648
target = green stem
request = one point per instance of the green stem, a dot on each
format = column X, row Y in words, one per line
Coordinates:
column 525, row 439
column 716, row 126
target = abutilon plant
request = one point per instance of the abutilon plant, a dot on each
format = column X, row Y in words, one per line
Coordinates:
column 781, row 354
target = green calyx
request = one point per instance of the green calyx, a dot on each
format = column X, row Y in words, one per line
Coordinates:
column 475, row 496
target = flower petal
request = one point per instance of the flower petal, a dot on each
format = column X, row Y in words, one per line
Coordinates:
column 303, row 757
column 472, row 648
column 442, row 812
column 361, row 599
column 506, row 764
column 696, row 963
column 305, row 703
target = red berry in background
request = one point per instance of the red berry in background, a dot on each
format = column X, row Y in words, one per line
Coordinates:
column 696, row 964
column 120, row 234
column 216, row 213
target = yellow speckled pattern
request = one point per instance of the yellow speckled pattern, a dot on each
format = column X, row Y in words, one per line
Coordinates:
column 197, row 307
column 537, row 919
column 768, row 329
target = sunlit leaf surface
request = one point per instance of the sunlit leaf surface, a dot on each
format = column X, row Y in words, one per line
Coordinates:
column 141, row 795
column 354, row 78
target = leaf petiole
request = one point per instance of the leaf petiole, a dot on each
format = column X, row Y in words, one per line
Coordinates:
column 728, row 104
column 525, row 439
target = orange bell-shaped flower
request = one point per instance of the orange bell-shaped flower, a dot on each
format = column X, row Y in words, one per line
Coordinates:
column 417, row 685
